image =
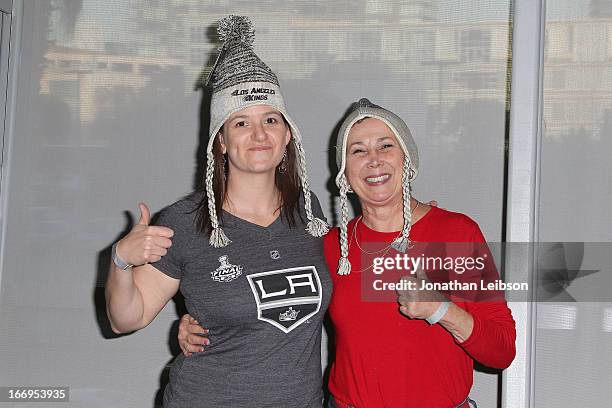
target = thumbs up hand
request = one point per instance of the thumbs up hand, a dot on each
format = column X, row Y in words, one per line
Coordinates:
column 144, row 243
column 145, row 214
column 417, row 303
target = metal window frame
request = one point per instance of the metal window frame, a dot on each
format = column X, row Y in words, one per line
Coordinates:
column 525, row 137
column 9, row 71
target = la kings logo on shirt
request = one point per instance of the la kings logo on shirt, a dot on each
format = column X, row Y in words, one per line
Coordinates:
column 288, row 297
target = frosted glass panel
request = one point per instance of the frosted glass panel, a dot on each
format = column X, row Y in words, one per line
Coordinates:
column 575, row 193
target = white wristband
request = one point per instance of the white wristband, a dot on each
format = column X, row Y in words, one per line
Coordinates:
column 121, row 264
column 439, row 314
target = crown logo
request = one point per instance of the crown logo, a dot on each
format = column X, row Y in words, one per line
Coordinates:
column 226, row 272
column 288, row 315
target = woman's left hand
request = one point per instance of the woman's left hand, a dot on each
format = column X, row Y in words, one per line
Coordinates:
column 191, row 336
column 418, row 303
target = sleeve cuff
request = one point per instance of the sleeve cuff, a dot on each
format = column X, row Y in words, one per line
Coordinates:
column 474, row 336
column 167, row 269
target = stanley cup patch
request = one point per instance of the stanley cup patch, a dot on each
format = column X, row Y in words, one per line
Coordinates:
column 226, row 272
column 286, row 298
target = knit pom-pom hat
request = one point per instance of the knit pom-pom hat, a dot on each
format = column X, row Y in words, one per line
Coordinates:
column 239, row 79
column 361, row 110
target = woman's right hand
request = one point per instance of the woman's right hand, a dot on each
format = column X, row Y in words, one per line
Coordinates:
column 191, row 336
column 144, row 243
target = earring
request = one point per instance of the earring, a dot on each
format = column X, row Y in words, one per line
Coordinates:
column 282, row 168
column 349, row 189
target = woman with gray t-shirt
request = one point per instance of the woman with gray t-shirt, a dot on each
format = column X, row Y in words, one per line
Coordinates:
column 245, row 251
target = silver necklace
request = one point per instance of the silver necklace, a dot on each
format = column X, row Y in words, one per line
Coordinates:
column 384, row 251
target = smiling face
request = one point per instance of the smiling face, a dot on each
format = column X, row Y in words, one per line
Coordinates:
column 254, row 139
column 374, row 162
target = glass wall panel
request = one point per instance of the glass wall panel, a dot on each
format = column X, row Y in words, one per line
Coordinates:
column 573, row 340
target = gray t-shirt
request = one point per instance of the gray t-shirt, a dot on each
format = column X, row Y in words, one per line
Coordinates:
column 263, row 298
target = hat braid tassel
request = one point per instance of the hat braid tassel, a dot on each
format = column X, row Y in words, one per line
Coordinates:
column 344, row 265
column 401, row 243
column 315, row 226
column 218, row 239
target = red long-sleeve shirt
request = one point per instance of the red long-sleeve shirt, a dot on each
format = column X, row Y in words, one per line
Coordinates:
column 384, row 359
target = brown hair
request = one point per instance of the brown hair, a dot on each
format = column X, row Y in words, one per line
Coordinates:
column 288, row 183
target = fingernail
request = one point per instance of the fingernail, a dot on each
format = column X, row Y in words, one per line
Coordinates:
column 206, row 342
column 201, row 349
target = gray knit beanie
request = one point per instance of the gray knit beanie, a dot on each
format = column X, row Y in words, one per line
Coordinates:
column 239, row 79
column 361, row 110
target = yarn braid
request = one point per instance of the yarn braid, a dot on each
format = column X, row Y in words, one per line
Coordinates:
column 344, row 265
column 401, row 243
column 218, row 238
column 316, row 226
